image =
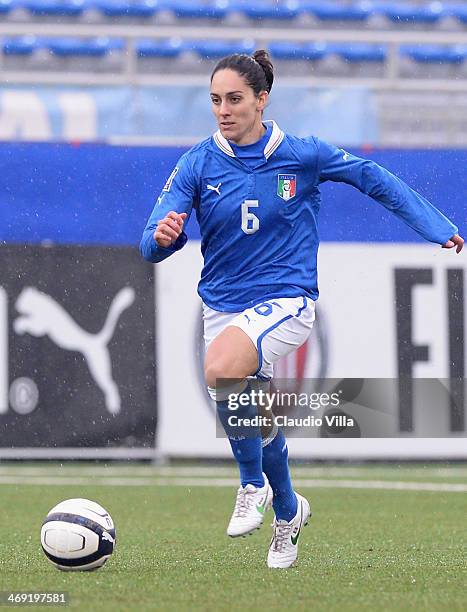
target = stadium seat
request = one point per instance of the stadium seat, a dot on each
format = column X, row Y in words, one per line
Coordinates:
column 459, row 11
column 159, row 56
column 197, row 9
column 55, row 8
column 159, row 48
column 356, row 59
column 21, row 45
column 433, row 61
column 22, row 52
column 410, row 13
column 333, row 11
column 360, row 52
column 6, row 6
column 434, row 54
column 81, row 55
column 299, row 59
column 265, row 10
column 186, row 57
column 215, row 49
column 96, row 47
column 121, row 8
column 295, row 51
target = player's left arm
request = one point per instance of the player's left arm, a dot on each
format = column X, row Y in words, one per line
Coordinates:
column 389, row 190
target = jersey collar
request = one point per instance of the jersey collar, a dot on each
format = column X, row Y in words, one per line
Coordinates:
column 277, row 135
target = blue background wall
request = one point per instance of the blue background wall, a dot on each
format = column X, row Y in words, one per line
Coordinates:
column 101, row 194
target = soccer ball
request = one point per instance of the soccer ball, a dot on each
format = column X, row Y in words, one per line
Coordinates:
column 78, row 534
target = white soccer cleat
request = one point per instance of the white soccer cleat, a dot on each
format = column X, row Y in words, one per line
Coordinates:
column 250, row 506
column 284, row 544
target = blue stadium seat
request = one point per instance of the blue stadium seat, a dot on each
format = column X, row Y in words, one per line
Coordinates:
column 21, row 45
column 265, row 10
column 6, row 6
column 359, row 52
column 41, row 8
column 434, row 54
column 196, row 9
column 213, row 49
column 459, row 11
column 122, row 8
column 333, row 11
column 96, row 47
column 159, row 48
column 408, row 12
column 295, row 51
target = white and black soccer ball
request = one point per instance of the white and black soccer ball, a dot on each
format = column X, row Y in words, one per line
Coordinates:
column 78, row 534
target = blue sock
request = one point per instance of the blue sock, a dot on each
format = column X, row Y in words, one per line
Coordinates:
column 276, row 468
column 245, row 443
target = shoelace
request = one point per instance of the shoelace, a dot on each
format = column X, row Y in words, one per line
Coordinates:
column 243, row 503
column 281, row 536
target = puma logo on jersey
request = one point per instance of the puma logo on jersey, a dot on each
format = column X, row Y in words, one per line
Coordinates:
column 346, row 156
column 212, row 188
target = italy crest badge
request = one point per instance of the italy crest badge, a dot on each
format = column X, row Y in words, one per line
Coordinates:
column 286, row 186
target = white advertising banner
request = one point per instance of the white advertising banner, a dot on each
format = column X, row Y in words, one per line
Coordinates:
column 385, row 311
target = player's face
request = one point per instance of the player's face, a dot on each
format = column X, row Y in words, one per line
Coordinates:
column 237, row 109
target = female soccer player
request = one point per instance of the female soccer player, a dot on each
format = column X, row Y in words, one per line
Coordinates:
column 256, row 194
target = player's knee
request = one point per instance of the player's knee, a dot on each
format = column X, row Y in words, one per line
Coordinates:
column 215, row 371
column 219, row 372
column 211, row 373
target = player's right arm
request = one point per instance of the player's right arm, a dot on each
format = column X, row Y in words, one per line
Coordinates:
column 169, row 229
column 163, row 234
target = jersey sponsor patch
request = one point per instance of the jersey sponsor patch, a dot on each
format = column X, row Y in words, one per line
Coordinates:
column 286, row 186
column 169, row 181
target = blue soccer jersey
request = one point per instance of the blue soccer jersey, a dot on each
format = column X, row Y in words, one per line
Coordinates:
column 258, row 222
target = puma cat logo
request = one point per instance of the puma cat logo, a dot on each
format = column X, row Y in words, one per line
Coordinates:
column 212, row 188
column 40, row 315
column 106, row 536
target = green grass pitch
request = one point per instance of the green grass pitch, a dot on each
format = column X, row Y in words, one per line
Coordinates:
column 364, row 549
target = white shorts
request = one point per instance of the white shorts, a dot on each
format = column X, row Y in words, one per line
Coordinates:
column 276, row 327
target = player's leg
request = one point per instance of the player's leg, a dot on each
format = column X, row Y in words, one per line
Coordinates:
column 285, row 325
column 283, row 549
column 231, row 357
column 292, row 510
column 276, row 467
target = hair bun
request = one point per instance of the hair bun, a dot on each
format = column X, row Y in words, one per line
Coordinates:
column 262, row 57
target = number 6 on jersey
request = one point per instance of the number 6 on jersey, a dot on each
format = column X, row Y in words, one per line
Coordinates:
column 250, row 222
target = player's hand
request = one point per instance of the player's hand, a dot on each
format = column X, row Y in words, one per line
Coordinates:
column 455, row 241
column 169, row 229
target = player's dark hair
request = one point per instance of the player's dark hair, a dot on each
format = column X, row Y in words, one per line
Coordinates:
column 257, row 69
